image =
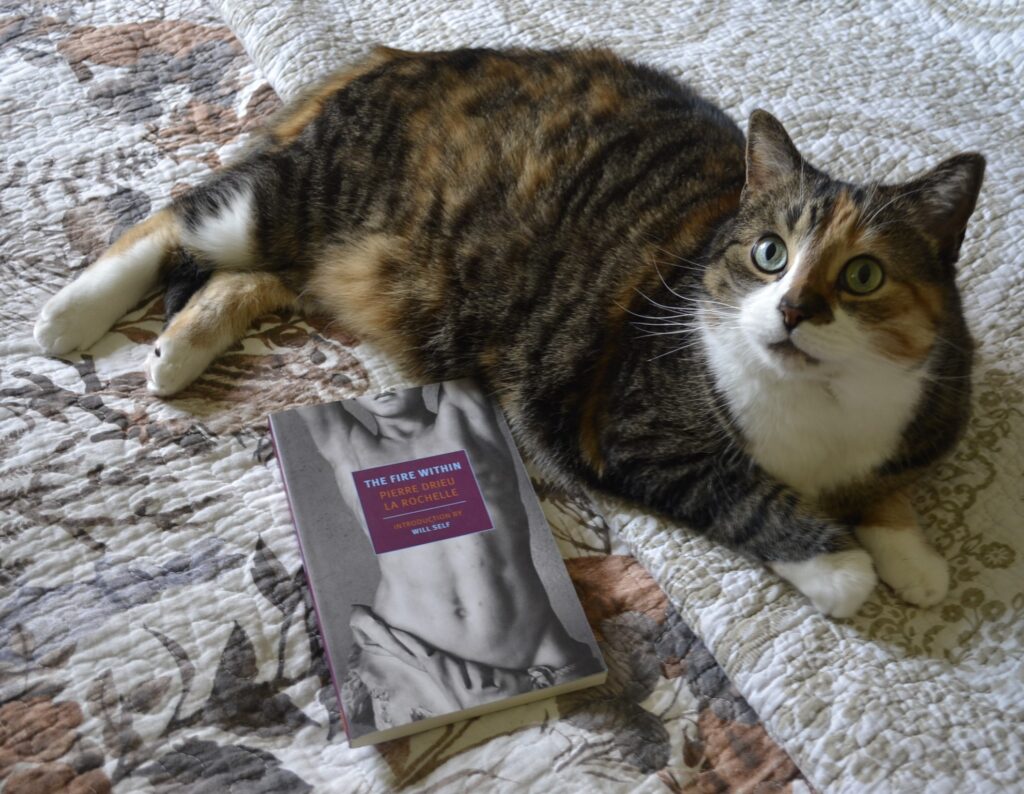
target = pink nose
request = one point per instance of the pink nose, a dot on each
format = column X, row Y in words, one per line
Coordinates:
column 792, row 316
column 806, row 306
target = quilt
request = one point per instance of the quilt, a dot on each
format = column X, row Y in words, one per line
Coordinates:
column 156, row 634
column 898, row 698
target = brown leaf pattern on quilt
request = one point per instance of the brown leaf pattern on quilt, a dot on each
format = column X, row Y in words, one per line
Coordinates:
column 156, row 632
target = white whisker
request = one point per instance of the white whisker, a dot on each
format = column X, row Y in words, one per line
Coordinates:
column 674, row 350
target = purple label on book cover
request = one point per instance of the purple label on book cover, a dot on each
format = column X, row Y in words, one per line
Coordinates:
column 421, row 501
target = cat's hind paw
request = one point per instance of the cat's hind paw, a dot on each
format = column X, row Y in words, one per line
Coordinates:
column 173, row 364
column 86, row 308
column 837, row 583
column 67, row 323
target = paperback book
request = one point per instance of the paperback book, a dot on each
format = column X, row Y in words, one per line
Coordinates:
column 438, row 586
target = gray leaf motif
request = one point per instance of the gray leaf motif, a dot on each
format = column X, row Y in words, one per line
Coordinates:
column 129, row 207
column 273, row 580
column 186, row 669
column 704, row 677
column 22, row 642
column 68, row 612
column 640, row 738
column 58, row 657
column 203, row 766
column 241, row 703
column 119, row 737
column 328, row 697
column 147, row 695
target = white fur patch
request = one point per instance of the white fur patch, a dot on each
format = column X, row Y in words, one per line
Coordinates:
column 907, row 563
column 837, row 584
column 225, row 238
column 811, row 425
column 84, row 310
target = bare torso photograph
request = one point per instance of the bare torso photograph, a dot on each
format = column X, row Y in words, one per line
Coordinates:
column 446, row 625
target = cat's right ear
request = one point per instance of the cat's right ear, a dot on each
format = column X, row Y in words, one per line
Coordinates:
column 943, row 199
column 771, row 155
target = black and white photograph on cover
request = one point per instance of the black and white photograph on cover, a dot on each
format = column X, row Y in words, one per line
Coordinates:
column 444, row 626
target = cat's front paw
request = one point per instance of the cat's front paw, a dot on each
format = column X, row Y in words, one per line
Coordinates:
column 907, row 563
column 172, row 365
column 837, row 584
column 66, row 323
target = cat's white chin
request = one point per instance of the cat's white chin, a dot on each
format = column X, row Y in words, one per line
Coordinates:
column 786, row 358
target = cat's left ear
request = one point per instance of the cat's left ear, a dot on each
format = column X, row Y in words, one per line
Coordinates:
column 771, row 156
column 941, row 200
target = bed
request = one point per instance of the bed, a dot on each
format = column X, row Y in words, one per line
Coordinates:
column 155, row 630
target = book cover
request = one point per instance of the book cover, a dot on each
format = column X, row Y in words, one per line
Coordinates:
column 438, row 586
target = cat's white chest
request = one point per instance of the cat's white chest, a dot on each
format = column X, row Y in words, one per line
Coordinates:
column 814, row 435
column 813, row 438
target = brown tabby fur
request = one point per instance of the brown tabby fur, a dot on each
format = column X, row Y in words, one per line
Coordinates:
column 514, row 216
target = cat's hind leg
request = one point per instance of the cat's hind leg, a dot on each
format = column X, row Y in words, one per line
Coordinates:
column 85, row 309
column 217, row 315
column 212, row 223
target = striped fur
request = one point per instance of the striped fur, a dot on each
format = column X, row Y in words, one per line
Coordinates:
column 576, row 232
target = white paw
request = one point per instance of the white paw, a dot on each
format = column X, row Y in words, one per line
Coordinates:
column 907, row 563
column 70, row 321
column 837, row 584
column 78, row 315
column 172, row 365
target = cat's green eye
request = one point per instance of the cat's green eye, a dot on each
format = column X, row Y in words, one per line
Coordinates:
column 769, row 254
column 862, row 275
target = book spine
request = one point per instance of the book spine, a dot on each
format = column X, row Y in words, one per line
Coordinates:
column 309, row 585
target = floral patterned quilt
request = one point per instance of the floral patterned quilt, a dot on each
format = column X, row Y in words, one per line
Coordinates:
column 156, row 633
column 896, row 699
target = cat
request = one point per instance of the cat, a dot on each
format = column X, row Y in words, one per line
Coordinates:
column 668, row 311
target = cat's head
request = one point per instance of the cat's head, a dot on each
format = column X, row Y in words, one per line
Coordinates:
column 817, row 277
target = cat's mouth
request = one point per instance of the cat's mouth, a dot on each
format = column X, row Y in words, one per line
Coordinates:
column 788, row 351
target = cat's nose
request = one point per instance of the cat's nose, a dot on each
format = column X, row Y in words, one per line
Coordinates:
column 805, row 307
column 792, row 315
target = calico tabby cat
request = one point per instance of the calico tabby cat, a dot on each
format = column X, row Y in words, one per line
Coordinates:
column 711, row 327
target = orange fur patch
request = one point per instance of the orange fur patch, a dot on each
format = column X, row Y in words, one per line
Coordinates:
column 696, row 223
column 905, row 339
column 839, row 237
column 894, row 511
column 594, row 411
column 604, row 100
column 901, row 318
column 296, row 116
column 928, row 299
column 163, row 225
column 349, row 284
column 533, row 176
column 844, row 225
column 226, row 306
